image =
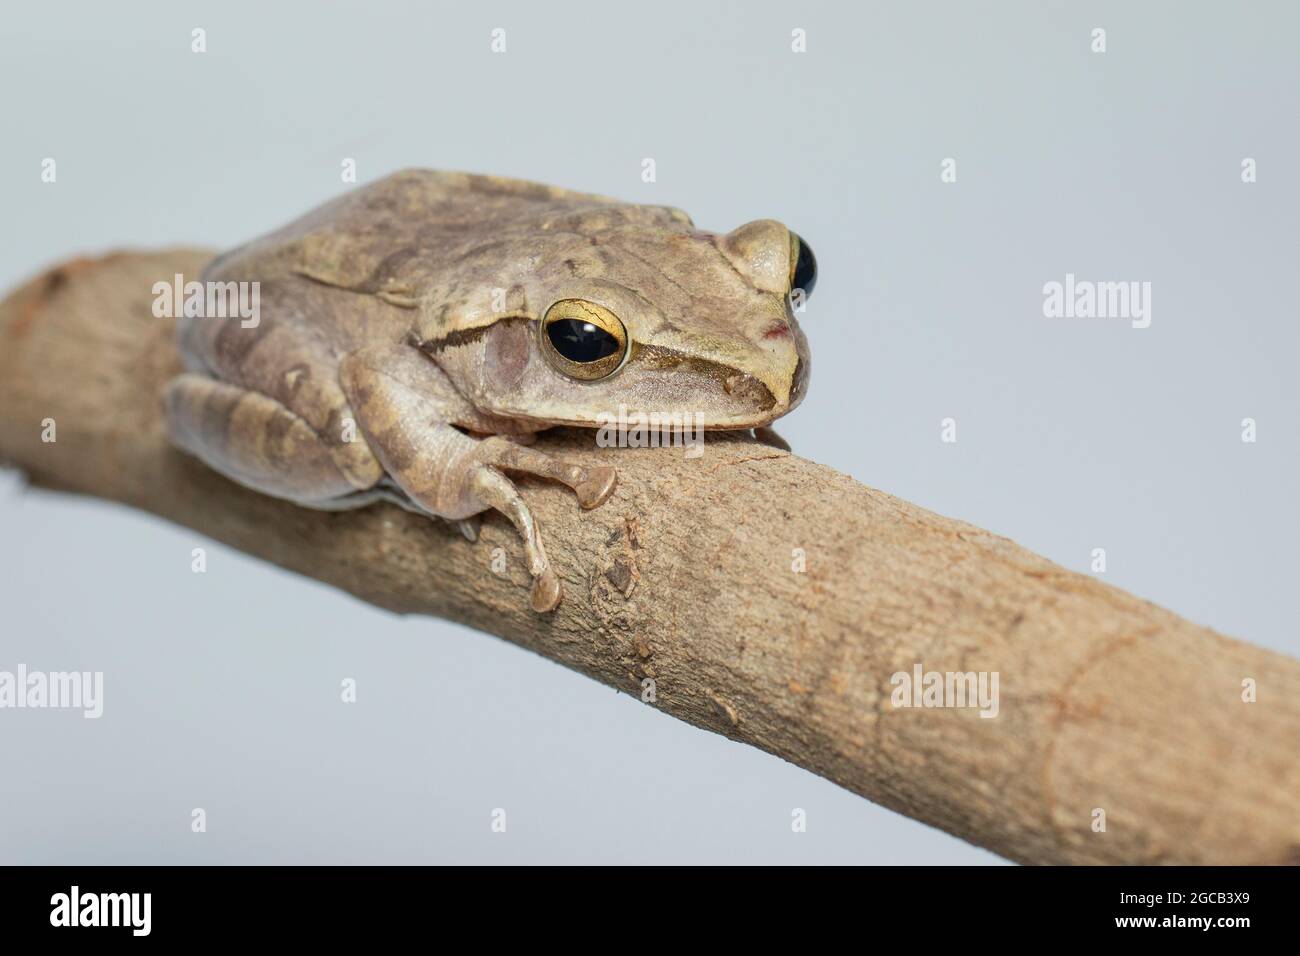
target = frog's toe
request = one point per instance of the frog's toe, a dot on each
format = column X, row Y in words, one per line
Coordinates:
column 546, row 592
column 469, row 527
column 594, row 490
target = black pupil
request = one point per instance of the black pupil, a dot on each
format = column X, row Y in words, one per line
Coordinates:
column 805, row 270
column 581, row 341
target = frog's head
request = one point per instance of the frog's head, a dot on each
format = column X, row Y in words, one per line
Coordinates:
column 631, row 306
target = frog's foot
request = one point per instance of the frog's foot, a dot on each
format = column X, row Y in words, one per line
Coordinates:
column 597, row 484
column 593, row 484
column 769, row 437
column 490, row 488
column 495, row 490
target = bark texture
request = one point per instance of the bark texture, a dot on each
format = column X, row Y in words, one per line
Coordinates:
column 685, row 577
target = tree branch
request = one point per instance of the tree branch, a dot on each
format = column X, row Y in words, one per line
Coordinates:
column 685, row 577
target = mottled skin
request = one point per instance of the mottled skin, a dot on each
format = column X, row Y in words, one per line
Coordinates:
column 398, row 354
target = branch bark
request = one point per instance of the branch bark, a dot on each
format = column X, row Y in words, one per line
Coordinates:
column 685, row 577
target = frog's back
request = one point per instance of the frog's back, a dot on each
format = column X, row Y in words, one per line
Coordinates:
column 411, row 213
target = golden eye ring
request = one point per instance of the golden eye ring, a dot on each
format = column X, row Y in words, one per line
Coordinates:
column 583, row 340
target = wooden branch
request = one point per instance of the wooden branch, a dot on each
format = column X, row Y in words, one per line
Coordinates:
column 685, row 578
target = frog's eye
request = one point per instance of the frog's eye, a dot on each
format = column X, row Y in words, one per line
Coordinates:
column 583, row 340
column 803, row 266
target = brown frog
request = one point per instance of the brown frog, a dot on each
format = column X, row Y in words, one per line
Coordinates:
column 414, row 334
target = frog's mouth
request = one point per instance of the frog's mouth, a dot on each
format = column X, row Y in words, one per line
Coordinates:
column 725, row 395
column 749, row 404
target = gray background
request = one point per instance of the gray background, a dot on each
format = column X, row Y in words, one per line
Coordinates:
column 222, row 688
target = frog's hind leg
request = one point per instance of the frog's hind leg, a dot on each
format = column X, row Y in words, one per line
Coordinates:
column 259, row 443
column 285, row 358
column 255, row 440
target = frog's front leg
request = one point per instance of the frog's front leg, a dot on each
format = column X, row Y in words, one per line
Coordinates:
column 409, row 414
column 592, row 485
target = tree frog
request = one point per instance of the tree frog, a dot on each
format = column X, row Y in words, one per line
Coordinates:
column 415, row 333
